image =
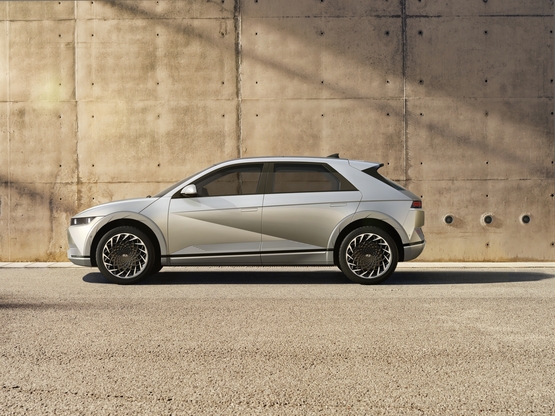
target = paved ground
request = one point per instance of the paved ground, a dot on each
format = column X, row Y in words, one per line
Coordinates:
column 278, row 342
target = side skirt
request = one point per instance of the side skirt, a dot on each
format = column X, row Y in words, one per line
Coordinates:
column 281, row 258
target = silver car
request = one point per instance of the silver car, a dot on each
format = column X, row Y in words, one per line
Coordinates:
column 263, row 211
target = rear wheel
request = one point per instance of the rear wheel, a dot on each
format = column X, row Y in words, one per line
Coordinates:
column 125, row 255
column 368, row 255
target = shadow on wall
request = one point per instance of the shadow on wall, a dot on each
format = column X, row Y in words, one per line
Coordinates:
column 446, row 131
column 344, row 87
column 310, row 277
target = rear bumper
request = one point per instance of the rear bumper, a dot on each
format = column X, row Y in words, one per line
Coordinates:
column 413, row 250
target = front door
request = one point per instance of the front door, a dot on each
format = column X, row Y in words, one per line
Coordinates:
column 222, row 223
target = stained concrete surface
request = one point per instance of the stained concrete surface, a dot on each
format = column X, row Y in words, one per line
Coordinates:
column 102, row 100
column 278, row 341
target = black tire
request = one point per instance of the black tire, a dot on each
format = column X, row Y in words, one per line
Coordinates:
column 125, row 255
column 156, row 268
column 368, row 255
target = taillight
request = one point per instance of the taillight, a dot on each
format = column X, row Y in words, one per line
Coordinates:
column 416, row 204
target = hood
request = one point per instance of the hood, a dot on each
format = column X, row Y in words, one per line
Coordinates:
column 128, row 205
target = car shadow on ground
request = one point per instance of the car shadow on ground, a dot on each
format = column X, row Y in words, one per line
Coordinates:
column 326, row 277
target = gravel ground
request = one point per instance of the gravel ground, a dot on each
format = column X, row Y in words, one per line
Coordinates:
column 241, row 341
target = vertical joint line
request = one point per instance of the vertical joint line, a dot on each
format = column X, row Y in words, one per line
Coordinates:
column 404, row 49
column 8, row 129
column 75, row 97
column 238, row 80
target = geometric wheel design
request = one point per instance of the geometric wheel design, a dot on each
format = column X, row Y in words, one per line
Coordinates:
column 125, row 255
column 368, row 256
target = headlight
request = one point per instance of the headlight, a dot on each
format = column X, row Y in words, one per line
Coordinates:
column 81, row 221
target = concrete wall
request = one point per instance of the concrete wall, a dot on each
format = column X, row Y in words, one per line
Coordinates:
column 102, row 100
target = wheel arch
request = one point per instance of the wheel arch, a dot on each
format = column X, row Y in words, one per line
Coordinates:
column 388, row 228
column 130, row 222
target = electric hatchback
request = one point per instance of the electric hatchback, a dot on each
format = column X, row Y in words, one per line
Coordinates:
column 263, row 211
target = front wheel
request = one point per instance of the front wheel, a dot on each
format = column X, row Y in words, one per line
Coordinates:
column 125, row 255
column 368, row 255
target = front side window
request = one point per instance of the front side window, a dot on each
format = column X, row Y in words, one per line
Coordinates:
column 235, row 180
column 306, row 177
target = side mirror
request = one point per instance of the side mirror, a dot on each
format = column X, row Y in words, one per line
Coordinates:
column 189, row 190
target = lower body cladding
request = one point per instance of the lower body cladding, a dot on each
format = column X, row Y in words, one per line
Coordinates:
column 77, row 259
column 312, row 258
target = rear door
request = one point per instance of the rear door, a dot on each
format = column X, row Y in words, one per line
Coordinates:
column 222, row 223
column 303, row 204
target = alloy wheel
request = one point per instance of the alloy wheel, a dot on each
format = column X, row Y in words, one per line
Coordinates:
column 125, row 255
column 368, row 256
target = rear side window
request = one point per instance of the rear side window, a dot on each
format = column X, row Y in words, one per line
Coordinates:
column 305, row 177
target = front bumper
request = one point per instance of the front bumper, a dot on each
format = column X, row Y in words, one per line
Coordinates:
column 77, row 258
column 80, row 238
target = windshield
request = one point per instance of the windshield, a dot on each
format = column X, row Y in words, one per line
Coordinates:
column 165, row 191
column 181, row 182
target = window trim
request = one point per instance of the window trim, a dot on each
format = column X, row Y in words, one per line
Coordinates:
column 373, row 171
column 270, row 179
column 259, row 187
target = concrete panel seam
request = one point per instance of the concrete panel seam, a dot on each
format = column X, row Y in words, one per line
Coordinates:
column 238, row 69
column 8, row 129
column 460, row 16
column 76, row 95
column 404, row 50
column 377, row 16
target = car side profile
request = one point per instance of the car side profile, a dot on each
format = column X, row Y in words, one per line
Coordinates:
column 262, row 211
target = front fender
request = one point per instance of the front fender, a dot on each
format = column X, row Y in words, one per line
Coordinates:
column 125, row 215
